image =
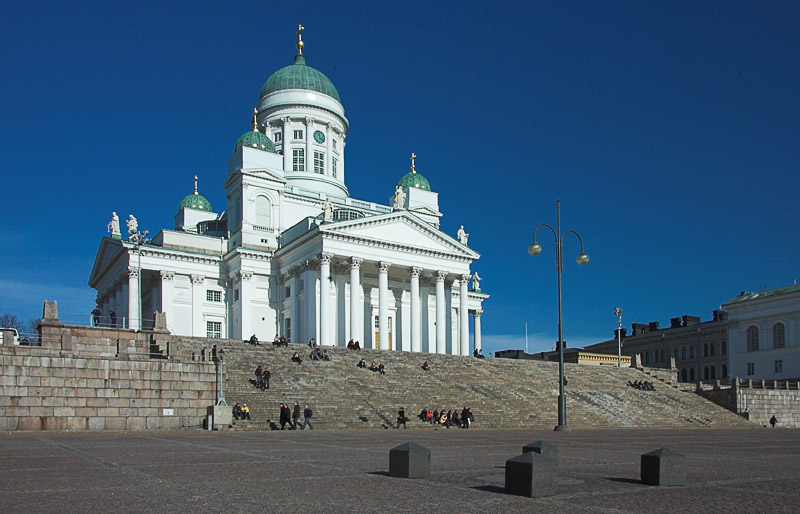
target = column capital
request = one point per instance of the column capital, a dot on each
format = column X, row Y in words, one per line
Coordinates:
column 198, row 279
column 286, row 120
column 309, row 121
column 383, row 266
column 133, row 272
column 241, row 275
column 325, row 257
column 167, row 276
column 477, row 313
column 415, row 271
column 441, row 275
column 355, row 262
column 464, row 279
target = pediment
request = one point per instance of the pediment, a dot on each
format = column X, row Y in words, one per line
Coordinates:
column 107, row 254
column 399, row 229
column 265, row 174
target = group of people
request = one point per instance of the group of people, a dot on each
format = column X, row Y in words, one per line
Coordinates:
column 317, row 355
column 478, row 353
column 380, row 368
column 241, row 411
column 280, row 341
column 353, row 345
column 644, row 385
column 291, row 416
column 262, row 377
column 447, row 419
column 97, row 318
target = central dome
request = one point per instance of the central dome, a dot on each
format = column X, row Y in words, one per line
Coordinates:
column 300, row 76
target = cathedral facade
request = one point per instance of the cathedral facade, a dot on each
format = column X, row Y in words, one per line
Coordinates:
column 293, row 253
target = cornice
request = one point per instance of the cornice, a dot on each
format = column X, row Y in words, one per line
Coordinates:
column 178, row 255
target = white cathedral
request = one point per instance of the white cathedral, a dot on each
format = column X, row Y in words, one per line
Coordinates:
column 293, row 254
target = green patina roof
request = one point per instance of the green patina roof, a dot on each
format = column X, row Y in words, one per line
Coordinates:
column 255, row 139
column 300, row 76
column 415, row 180
column 746, row 296
column 195, row 201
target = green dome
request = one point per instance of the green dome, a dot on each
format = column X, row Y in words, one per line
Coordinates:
column 197, row 202
column 415, row 180
column 300, row 76
column 255, row 139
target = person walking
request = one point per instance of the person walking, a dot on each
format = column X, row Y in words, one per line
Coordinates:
column 295, row 416
column 401, row 417
column 307, row 413
column 265, row 376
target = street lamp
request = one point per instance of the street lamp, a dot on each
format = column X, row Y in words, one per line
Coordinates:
column 535, row 249
column 139, row 239
column 618, row 314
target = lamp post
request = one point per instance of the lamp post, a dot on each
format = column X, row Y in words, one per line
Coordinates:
column 139, row 239
column 535, row 249
column 618, row 314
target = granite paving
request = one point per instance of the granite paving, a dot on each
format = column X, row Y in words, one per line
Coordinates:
column 729, row 470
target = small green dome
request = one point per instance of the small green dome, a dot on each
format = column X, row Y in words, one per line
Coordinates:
column 415, row 180
column 254, row 139
column 300, row 76
column 195, row 201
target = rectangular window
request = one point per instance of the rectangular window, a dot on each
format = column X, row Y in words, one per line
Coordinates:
column 319, row 162
column 214, row 329
column 302, row 285
column 287, row 292
column 298, row 159
column 334, row 143
column 298, row 134
column 334, row 162
column 213, row 296
column 751, row 368
column 288, row 330
column 235, row 295
column 277, row 137
column 779, row 366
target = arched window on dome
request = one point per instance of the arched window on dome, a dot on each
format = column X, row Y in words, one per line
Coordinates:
column 263, row 212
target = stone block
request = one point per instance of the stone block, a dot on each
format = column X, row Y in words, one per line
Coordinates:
column 64, row 412
column 663, row 467
column 116, row 423
column 96, row 423
column 409, row 460
column 531, row 475
column 223, row 415
column 31, row 424
column 7, row 423
column 55, row 424
column 543, row 448
column 77, row 423
column 136, row 423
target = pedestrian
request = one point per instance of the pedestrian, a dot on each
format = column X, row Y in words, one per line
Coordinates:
column 259, row 377
column 307, row 413
column 401, row 417
column 284, row 415
column 265, row 377
column 295, row 415
column 773, row 421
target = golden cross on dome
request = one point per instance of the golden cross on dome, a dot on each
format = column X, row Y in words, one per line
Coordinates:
column 255, row 121
column 300, row 43
column 413, row 168
column 195, row 185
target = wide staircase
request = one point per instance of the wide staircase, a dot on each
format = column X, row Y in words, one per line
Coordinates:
column 502, row 393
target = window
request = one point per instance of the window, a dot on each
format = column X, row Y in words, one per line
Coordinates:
column 713, row 372
column 752, row 339
column 779, row 366
column 691, row 352
column 663, row 355
column 723, row 348
column 319, row 162
column 235, row 295
column 277, row 137
column 751, row 368
column 676, row 352
column 214, row 329
column 713, row 347
column 287, row 292
column 213, row 296
column 298, row 134
column 778, row 336
column 705, row 349
column 335, row 146
column 263, row 211
column 334, row 162
column 288, row 329
column 724, row 371
column 302, row 285
column 684, row 376
column 683, row 353
column 691, row 374
column 706, row 373
column 298, row 159
column 647, row 357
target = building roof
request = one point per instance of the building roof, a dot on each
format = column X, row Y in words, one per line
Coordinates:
column 254, row 139
column 300, row 76
column 195, row 201
column 746, row 296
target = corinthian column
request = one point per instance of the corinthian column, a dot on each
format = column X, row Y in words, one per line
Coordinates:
column 356, row 309
column 134, row 323
column 325, row 337
column 441, row 333
column 416, row 326
column 383, row 305
column 477, row 319
column 463, row 316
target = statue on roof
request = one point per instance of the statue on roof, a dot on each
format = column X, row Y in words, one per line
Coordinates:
column 476, row 282
column 113, row 226
column 399, row 197
column 133, row 225
column 327, row 211
column 463, row 237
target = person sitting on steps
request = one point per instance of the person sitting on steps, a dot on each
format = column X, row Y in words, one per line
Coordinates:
column 425, row 366
column 362, row 364
column 254, row 340
column 296, row 358
column 401, row 418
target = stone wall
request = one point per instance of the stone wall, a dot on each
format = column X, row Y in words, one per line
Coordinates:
column 87, row 378
column 758, row 401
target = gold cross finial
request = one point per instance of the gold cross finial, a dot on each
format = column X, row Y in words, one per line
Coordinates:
column 413, row 168
column 255, row 121
column 300, row 43
column 195, row 185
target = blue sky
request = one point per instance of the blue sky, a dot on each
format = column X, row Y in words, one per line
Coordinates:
column 670, row 132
